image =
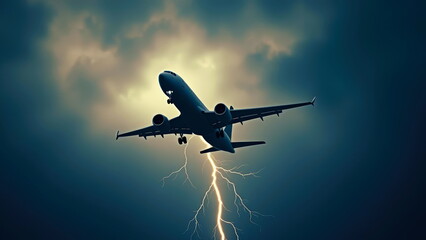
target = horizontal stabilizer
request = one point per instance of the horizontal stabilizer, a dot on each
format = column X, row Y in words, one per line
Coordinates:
column 234, row 145
column 212, row 149
column 246, row 144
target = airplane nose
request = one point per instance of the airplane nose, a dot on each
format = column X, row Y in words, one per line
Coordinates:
column 162, row 78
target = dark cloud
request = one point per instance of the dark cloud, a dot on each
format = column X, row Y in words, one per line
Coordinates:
column 116, row 17
column 220, row 15
column 83, row 85
column 361, row 180
column 365, row 73
column 52, row 186
column 29, row 25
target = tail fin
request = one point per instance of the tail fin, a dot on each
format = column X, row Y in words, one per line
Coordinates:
column 228, row 130
column 212, row 149
column 234, row 145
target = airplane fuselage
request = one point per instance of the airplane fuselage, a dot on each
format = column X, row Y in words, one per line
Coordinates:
column 214, row 126
column 191, row 109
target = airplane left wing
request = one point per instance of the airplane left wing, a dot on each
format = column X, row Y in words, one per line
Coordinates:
column 242, row 115
column 177, row 126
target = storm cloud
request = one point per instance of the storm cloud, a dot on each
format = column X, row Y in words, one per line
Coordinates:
column 73, row 73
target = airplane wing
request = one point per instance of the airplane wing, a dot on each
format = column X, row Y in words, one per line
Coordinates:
column 242, row 115
column 177, row 126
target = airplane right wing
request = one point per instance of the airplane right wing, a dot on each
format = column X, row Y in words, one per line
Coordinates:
column 242, row 115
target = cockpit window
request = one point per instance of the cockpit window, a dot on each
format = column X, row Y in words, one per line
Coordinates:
column 174, row 74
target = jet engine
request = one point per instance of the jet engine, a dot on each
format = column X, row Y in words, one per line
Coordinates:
column 222, row 113
column 162, row 122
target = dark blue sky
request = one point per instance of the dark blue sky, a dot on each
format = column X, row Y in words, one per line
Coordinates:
column 350, row 168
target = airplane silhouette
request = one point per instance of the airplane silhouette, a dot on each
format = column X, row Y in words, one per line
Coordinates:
column 214, row 126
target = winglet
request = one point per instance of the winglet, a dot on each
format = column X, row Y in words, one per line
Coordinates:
column 313, row 101
column 116, row 137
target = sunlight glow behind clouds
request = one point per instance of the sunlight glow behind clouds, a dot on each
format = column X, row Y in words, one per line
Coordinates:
column 116, row 91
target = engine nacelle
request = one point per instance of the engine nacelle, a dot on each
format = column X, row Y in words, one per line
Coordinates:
column 162, row 122
column 222, row 113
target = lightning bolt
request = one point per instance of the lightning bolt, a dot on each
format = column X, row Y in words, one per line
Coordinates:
column 182, row 168
column 218, row 173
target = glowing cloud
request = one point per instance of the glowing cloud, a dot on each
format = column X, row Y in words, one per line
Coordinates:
column 123, row 76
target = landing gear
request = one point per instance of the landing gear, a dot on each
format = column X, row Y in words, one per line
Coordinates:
column 182, row 140
column 169, row 94
column 220, row 133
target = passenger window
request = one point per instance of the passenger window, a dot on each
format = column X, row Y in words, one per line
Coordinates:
column 174, row 74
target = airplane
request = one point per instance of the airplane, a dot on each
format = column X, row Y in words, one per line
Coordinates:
column 214, row 126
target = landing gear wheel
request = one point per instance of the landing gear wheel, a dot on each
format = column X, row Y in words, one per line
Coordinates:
column 220, row 133
column 180, row 141
column 184, row 140
column 169, row 101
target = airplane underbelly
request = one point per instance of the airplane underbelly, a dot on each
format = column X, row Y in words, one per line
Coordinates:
column 191, row 109
column 221, row 143
column 198, row 124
